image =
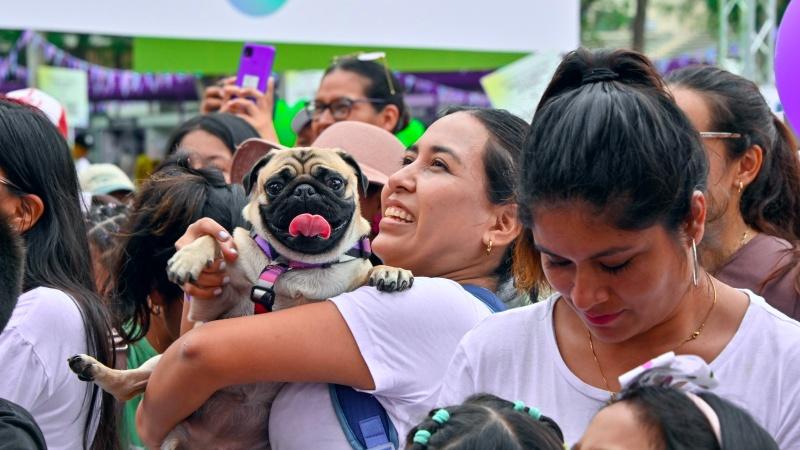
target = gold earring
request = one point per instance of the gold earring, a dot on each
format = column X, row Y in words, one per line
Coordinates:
column 489, row 247
column 695, row 263
column 741, row 186
column 157, row 310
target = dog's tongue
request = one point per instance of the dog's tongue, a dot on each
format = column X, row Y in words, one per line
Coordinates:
column 310, row 225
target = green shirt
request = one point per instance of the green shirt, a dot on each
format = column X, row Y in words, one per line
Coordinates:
column 138, row 352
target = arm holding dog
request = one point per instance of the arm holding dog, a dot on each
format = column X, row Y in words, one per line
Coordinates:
column 247, row 350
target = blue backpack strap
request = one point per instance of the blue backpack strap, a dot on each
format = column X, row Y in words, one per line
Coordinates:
column 486, row 296
column 363, row 419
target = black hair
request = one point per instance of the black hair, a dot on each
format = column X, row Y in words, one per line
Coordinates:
column 11, row 270
column 36, row 158
column 771, row 202
column 163, row 208
column 378, row 86
column 607, row 132
column 486, row 421
column 104, row 219
column 675, row 423
column 501, row 158
column 230, row 129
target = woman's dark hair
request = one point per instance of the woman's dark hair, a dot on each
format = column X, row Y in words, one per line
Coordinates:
column 674, row 421
column 771, row 202
column 606, row 132
column 36, row 158
column 12, row 258
column 103, row 222
column 486, row 421
column 163, row 208
column 230, row 129
column 378, row 86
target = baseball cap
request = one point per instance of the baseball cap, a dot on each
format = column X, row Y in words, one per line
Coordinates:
column 102, row 179
column 378, row 152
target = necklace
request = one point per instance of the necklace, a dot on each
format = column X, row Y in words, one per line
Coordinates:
column 744, row 239
column 696, row 334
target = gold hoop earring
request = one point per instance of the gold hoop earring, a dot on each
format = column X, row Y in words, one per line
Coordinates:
column 695, row 263
column 489, row 247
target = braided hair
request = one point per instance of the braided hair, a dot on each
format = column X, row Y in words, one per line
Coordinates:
column 486, row 421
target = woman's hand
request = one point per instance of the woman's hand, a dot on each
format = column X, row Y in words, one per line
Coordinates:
column 213, row 96
column 253, row 106
column 209, row 284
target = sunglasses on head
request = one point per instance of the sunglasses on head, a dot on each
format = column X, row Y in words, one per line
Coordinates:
column 375, row 57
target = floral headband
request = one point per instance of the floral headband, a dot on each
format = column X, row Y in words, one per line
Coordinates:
column 687, row 373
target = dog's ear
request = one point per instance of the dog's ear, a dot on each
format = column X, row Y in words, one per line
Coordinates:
column 363, row 183
column 250, row 179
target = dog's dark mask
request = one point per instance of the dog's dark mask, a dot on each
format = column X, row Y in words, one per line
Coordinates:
column 322, row 194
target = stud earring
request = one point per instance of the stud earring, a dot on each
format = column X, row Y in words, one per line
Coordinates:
column 157, row 309
column 741, row 186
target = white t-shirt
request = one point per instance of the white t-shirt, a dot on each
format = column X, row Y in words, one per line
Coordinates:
column 45, row 329
column 514, row 355
column 406, row 339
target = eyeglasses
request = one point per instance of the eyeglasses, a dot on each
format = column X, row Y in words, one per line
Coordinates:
column 340, row 108
column 372, row 56
column 9, row 183
column 719, row 135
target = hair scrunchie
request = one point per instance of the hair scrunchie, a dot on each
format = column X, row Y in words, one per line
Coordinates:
column 519, row 405
column 441, row 416
column 421, row 437
column 599, row 74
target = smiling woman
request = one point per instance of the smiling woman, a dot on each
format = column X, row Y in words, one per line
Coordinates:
column 611, row 186
column 394, row 346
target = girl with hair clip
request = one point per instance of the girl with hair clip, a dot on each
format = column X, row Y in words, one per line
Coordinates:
column 59, row 312
column 665, row 404
column 611, row 192
column 486, row 421
column 752, row 238
column 146, row 305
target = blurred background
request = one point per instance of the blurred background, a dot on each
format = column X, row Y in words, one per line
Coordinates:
column 128, row 72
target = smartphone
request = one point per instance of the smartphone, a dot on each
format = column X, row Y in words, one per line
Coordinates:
column 255, row 66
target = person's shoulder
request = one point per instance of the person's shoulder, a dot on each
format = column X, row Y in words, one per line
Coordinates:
column 515, row 326
column 423, row 287
column 764, row 312
column 45, row 309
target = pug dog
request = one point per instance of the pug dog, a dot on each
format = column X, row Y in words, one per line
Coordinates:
column 308, row 243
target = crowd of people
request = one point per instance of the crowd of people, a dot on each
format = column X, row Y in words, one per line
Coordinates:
column 622, row 272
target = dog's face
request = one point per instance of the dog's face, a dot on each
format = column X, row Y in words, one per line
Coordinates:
column 305, row 200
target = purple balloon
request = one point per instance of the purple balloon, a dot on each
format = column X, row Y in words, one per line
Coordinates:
column 787, row 63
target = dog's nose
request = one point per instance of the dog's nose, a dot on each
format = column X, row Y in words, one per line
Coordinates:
column 304, row 191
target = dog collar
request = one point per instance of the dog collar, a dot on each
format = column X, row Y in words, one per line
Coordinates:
column 263, row 292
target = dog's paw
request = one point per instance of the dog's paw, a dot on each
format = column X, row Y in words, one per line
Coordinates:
column 84, row 366
column 390, row 279
column 187, row 263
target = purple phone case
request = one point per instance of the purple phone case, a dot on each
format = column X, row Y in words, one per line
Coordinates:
column 255, row 68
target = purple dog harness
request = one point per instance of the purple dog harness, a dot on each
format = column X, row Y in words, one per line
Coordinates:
column 263, row 293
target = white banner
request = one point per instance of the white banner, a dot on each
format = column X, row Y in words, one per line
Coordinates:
column 495, row 25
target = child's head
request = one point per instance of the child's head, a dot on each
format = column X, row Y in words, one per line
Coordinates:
column 658, row 410
column 665, row 418
column 486, row 421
